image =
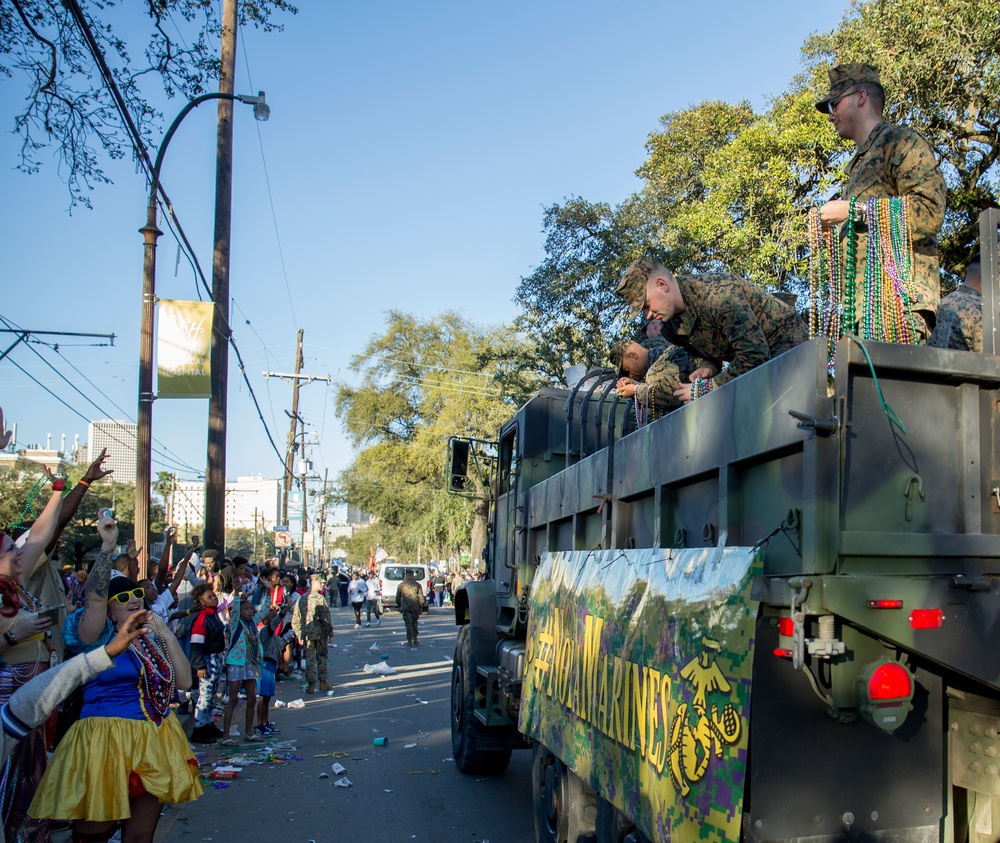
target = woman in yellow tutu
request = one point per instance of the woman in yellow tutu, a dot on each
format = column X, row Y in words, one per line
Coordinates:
column 127, row 754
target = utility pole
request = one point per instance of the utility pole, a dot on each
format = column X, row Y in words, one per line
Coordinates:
column 215, row 475
column 290, row 455
column 322, row 516
column 304, row 465
column 296, row 380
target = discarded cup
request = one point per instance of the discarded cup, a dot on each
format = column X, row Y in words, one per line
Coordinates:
column 385, row 657
column 380, row 741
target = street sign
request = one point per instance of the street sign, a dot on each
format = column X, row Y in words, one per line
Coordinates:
column 282, row 538
column 280, row 528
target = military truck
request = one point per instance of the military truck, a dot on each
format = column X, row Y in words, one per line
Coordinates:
column 772, row 614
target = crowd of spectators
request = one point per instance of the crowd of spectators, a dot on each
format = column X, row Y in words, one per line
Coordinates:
column 100, row 667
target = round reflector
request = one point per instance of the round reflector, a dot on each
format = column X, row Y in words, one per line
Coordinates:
column 890, row 682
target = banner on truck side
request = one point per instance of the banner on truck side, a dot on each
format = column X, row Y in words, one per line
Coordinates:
column 183, row 349
column 638, row 677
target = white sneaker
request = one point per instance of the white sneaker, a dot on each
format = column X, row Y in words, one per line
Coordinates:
column 357, row 626
column 368, row 623
column 378, row 621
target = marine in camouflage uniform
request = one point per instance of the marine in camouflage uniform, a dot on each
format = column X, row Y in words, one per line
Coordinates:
column 314, row 628
column 651, row 369
column 410, row 601
column 716, row 318
column 960, row 317
column 891, row 161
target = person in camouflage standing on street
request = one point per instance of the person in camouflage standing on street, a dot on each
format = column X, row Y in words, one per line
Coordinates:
column 410, row 601
column 960, row 317
column 314, row 628
column 716, row 318
column 891, row 161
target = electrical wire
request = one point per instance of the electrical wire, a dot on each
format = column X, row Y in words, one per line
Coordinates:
column 270, row 197
column 176, row 457
column 260, row 415
column 142, row 156
column 76, row 412
column 166, row 459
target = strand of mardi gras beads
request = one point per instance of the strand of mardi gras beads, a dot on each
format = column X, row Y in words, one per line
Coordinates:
column 889, row 272
column 640, row 411
column 700, row 387
column 824, row 282
column 849, row 317
column 815, row 272
column 29, row 508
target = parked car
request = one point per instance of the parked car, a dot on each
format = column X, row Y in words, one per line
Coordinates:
column 391, row 574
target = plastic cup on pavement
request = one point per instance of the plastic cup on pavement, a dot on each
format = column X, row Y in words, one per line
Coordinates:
column 380, row 741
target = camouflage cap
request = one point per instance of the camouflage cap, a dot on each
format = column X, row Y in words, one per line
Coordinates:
column 632, row 286
column 617, row 356
column 654, row 345
column 845, row 79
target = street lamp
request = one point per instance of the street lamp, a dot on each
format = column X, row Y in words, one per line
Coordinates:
column 150, row 234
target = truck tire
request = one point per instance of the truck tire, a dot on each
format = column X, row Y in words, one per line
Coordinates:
column 614, row 827
column 565, row 808
column 467, row 734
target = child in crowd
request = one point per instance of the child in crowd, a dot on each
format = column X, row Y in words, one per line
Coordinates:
column 271, row 643
column 208, row 643
column 243, row 662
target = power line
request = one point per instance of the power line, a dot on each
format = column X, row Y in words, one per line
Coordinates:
column 176, row 459
column 76, row 412
column 127, row 415
column 260, row 415
column 270, row 198
column 142, row 155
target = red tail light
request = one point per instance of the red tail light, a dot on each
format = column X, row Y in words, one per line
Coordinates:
column 890, row 682
column 926, row 618
column 786, row 626
column 885, row 604
column 783, row 653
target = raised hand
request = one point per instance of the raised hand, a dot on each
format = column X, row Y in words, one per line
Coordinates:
column 95, row 471
column 107, row 529
column 138, row 623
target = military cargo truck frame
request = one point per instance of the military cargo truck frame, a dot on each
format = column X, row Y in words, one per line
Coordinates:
column 770, row 615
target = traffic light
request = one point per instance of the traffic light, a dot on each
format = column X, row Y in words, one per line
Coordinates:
column 458, row 465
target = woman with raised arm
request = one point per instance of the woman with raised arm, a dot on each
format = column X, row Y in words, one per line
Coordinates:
column 27, row 652
column 127, row 755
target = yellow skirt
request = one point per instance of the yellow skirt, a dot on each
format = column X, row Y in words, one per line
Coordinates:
column 88, row 776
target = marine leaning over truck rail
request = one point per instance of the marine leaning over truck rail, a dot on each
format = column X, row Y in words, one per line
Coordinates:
column 769, row 615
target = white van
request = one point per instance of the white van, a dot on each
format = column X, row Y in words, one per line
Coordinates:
column 391, row 574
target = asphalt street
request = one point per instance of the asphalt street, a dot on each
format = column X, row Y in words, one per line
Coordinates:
column 407, row 790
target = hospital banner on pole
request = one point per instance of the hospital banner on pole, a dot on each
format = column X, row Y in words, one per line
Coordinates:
column 183, row 349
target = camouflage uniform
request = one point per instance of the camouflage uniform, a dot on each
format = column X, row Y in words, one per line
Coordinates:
column 960, row 321
column 314, row 627
column 729, row 319
column 667, row 373
column 897, row 161
column 410, row 601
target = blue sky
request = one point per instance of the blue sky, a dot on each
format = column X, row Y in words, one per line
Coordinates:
column 410, row 152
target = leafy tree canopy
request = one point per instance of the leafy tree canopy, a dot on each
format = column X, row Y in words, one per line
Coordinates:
column 68, row 108
column 726, row 188
column 423, row 381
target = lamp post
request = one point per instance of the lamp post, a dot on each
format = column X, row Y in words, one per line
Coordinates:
column 150, row 233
